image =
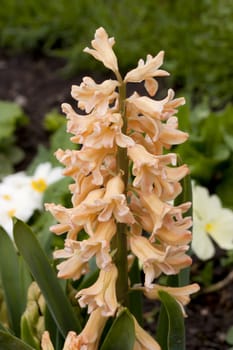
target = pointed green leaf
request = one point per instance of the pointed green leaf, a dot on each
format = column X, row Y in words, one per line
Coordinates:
column 121, row 334
column 9, row 342
column 172, row 323
column 54, row 333
column 46, row 278
column 9, row 271
column 162, row 328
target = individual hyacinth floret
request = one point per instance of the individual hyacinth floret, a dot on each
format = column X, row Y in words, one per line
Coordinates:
column 124, row 185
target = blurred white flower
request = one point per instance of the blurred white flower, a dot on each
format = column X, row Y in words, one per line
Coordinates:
column 211, row 222
column 21, row 195
column 15, row 201
column 43, row 176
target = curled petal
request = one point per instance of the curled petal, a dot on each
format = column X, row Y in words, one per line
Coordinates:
column 146, row 105
column 149, row 255
column 181, row 294
column 102, row 49
column 156, row 208
column 143, row 340
column 169, row 134
column 146, row 71
column 64, row 217
column 91, row 95
column 114, row 202
column 102, row 294
column 89, row 338
column 73, row 268
column 145, row 125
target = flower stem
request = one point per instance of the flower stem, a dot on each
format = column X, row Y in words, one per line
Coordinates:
column 121, row 237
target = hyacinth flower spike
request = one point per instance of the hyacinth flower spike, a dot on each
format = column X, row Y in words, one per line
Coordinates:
column 125, row 179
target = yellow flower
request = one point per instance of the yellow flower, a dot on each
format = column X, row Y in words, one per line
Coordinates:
column 181, row 294
column 102, row 294
column 102, row 49
column 91, row 95
column 146, row 71
column 143, row 340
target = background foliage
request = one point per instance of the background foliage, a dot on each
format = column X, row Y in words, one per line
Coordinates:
column 196, row 36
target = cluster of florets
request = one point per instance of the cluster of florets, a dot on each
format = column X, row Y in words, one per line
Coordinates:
column 122, row 176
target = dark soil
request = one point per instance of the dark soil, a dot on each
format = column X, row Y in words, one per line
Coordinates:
column 38, row 85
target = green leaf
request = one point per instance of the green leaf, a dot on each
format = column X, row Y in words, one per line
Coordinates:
column 135, row 299
column 9, row 342
column 229, row 336
column 223, row 189
column 11, row 283
column 121, row 334
column 11, row 114
column 46, row 278
column 51, row 327
column 171, row 330
column 27, row 334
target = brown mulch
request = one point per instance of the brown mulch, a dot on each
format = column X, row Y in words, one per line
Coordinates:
column 38, row 85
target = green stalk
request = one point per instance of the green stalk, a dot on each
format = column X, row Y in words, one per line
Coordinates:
column 120, row 243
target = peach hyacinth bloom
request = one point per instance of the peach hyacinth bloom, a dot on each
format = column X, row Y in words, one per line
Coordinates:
column 102, row 49
column 102, row 294
column 91, row 95
column 181, row 294
column 88, row 339
column 71, row 342
column 143, row 340
column 125, row 182
column 147, row 71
